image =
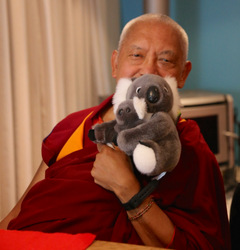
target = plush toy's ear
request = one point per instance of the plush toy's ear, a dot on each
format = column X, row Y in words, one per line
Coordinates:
column 121, row 92
column 176, row 99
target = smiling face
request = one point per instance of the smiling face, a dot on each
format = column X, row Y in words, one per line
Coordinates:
column 151, row 47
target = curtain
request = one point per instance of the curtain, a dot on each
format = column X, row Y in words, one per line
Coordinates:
column 54, row 60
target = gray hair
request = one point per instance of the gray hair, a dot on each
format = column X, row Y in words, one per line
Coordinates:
column 157, row 18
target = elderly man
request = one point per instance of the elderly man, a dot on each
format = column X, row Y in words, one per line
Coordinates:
column 85, row 186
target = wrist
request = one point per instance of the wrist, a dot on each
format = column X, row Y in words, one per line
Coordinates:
column 138, row 212
column 125, row 193
column 139, row 197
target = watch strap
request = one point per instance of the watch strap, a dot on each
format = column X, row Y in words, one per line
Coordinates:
column 138, row 198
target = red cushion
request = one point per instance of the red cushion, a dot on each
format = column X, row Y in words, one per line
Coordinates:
column 11, row 239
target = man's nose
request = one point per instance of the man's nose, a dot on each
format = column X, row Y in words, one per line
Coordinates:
column 149, row 67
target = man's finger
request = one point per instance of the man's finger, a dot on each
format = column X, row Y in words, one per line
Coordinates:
column 99, row 147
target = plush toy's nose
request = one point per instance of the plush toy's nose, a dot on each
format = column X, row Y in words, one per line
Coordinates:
column 153, row 94
column 121, row 111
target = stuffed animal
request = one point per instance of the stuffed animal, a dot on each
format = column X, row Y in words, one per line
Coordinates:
column 126, row 118
column 146, row 110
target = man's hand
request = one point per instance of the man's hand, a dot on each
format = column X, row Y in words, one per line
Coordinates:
column 112, row 170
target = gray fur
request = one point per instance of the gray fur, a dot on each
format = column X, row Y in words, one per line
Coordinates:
column 158, row 132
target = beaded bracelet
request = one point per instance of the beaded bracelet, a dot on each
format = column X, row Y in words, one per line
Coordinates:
column 141, row 212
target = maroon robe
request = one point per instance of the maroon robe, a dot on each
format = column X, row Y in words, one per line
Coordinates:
column 68, row 200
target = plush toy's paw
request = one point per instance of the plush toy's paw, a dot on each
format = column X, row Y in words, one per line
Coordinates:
column 103, row 133
column 91, row 135
column 124, row 143
column 144, row 159
column 97, row 135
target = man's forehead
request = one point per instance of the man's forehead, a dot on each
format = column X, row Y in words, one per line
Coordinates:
column 160, row 52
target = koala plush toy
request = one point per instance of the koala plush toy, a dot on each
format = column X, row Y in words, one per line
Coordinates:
column 146, row 110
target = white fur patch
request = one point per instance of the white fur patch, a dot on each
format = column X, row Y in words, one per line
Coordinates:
column 144, row 159
column 121, row 92
column 176, row 98
column 140, row 107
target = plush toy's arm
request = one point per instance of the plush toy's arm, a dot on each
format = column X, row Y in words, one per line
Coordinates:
column 103, row 133
column 158, row 127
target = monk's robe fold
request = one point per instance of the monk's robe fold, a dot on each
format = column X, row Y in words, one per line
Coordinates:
column 68, row 200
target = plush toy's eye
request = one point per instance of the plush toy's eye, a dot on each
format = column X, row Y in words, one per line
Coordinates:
column 153, row 94
column 138, row 90
column 165, row 89
column 120, row 111
column 128, row 110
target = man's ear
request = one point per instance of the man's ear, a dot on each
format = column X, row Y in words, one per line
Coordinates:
column 114, row 63
column 186, row 71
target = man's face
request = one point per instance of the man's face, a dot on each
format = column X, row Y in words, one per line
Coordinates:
column 151, row 48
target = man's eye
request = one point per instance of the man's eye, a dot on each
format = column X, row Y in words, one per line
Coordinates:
column 136, row 55
column 164, row 60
